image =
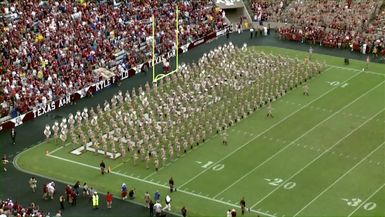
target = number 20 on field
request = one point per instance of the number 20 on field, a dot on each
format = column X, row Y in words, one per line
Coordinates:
column 279, row 181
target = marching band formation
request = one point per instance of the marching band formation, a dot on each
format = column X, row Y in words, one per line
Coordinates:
column 155, row 125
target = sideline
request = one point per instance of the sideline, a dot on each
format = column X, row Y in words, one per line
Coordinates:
column 130, row 177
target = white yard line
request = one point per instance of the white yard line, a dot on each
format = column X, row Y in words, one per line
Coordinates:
column 151, row 174
column 268, row 129
column 157, row 184
column 57, row 149
column 318, row 157
column 355, row 70
column 367, row 199
column 341, row 177
column 298, row 138
column 120, row 164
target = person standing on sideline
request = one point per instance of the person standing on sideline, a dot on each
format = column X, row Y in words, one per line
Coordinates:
column 109, row 200
column 102, row 167
column 306, row 90
column 251, row 32
column 228, row 213
column 95, row 200
column 131, row 194
column 171, row 183
column 5, row 162
column 157, row 196
column 233, row 213
column 61, row 201
column 124, row 191
column 33, row 183
column 85, row 190
column 77, row 187
column 90, row 194
column 13, row 135
column 147, row 199
column 167, row 199
column 158, row 208
column 242, row 203
column 151, row 207
column 184, row 211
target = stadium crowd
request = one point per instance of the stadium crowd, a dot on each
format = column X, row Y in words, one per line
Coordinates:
column 13, row 208
column 337, row 24
column 152, row 126
column 267, row 10
column 50, row 48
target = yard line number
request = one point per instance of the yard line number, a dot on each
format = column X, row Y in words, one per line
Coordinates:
column 217, row 167
column 337, row 83
column 357, row 201
column 278, row 181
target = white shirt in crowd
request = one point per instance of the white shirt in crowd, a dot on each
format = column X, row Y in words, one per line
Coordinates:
column 158, row 207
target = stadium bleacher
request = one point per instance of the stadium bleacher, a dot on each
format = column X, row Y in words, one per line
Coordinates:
column 49, row 49
column 336, row 24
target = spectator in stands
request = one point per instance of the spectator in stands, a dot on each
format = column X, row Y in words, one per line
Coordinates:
column 10, row 208
column 51, row 49
column 340, row 24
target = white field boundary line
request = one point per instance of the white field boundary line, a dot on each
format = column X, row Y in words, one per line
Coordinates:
column 268, row 129
column 341, row 177
column 298, row 138
column 355, row 70
column 367, row 199
column 68, row 183
column 159, row 185
column 318, row 157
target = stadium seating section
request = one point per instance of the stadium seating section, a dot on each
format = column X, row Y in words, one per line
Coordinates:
column 358, row 25
column 13, row 208
column 50, row 49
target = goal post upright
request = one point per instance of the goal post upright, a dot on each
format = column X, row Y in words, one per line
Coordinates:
column 177, row 38
column 155, row 77
column 153, row 47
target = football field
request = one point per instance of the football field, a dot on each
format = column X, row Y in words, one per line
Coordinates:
column 321, row 154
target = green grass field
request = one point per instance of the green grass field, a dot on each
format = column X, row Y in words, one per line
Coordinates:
column 321, row 154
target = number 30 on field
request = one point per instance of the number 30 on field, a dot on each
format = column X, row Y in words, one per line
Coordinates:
column 357, row 201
